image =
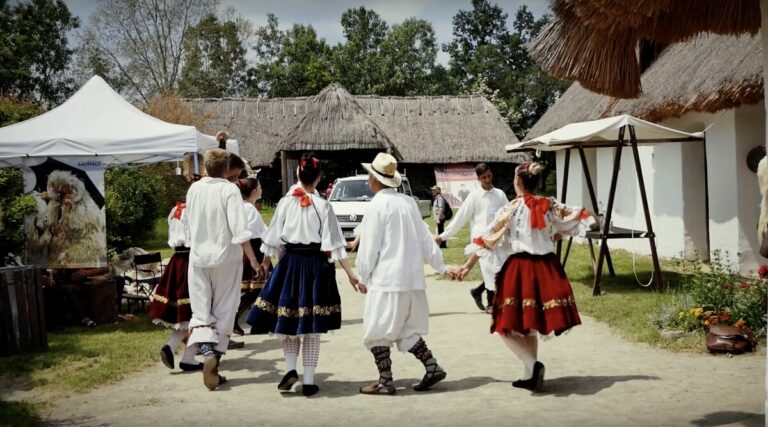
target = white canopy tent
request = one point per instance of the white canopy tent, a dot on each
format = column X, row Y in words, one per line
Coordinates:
column 603, row 132
column 612, row 132
column 97, row 121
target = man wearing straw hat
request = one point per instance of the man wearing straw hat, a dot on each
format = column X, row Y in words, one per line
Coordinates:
column 394, row 244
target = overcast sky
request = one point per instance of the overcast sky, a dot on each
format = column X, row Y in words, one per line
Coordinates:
column 325, row 15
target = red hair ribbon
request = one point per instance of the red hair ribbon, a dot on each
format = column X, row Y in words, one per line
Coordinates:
column 179, row 207
column 305, row 199
column 315, row 163
column 539, row 207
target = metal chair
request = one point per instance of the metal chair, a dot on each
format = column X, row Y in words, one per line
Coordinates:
column 148, row 269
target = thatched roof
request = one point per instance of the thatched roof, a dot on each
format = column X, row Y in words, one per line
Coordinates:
column 708, row 73
column 595, row 41
column 432, row 129
column 334, row 121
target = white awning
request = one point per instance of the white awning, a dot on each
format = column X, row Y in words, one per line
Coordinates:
column 596, row 133
column 97, row 121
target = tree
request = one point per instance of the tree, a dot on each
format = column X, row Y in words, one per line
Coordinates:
column 143, row 40
column 484, row 53
column 34, row 52
column 357, row 63
column 408, row 55
column 296, row 62
column 215, row 60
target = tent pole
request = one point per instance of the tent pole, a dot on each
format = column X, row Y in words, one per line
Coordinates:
column 563, row 195
column 651, row 236
column 609, row 210
column 593, row 198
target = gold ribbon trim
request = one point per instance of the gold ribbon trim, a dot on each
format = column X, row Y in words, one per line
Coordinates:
column 165, row 301
column 300, row 312
column 531, row 303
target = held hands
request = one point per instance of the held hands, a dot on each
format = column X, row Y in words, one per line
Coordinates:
column 257, row 269
column 454, row 273
column 438, row 240
column 354, row 280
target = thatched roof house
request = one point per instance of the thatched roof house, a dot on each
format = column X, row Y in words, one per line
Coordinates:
column 595, row 42
column 432, row 129
column 334, row 121
column 709, row 73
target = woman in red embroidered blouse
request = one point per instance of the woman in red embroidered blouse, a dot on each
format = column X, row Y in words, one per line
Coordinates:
column 533, row 294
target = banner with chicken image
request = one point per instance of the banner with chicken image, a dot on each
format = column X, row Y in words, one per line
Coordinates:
column 68, row 227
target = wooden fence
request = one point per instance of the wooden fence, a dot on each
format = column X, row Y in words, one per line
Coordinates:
column 22, row 311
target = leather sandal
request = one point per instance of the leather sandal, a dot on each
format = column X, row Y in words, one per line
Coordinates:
column 377, row 388
column 211, row 377
column 429, row 380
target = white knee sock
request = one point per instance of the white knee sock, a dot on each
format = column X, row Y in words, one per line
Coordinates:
column 188, row 356
column 522, row 350
column 310, row 353
column 291, row 352
column 176, row 336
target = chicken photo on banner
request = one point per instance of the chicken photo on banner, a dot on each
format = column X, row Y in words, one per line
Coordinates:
column 68, row 228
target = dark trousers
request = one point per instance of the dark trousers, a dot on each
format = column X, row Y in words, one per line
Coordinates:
column 440, row 228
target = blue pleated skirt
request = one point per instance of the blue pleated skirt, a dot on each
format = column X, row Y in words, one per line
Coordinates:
column 300, row 297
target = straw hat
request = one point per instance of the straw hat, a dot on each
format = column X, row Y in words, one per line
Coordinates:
column 384, row 169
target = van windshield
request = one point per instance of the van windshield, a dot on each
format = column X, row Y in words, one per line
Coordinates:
column 345, row 191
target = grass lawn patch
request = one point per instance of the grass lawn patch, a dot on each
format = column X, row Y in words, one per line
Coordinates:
column 19, row 414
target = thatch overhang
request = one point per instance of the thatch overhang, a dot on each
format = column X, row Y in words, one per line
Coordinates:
column 334, row 121
column 595, row 42
column 709, row 73
column 427, row 130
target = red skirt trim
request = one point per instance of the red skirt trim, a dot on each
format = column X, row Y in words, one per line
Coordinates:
column 533, row 293
column 171, row 301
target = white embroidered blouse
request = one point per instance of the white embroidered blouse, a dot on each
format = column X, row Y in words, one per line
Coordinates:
column 253, row 221
column 528, row 224
column 315, row 223
column 178, row 229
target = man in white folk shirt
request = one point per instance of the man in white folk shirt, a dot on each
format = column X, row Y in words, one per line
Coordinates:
column 394, row 244
column 479, row 209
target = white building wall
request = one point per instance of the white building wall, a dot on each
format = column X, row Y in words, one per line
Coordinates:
column 677, row 195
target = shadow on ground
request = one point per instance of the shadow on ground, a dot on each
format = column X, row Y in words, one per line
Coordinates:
column 587, row 385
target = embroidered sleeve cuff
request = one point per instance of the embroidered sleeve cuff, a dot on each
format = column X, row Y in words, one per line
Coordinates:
column 271, row 251
column 337, row 255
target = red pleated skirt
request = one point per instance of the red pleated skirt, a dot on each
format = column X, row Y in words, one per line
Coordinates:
column 171, row 302
column 533, row 293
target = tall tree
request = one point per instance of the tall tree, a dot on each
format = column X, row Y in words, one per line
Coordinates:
column 408, row 55
column 215, row 60
column 34, row 51
column 358, row 61
column 487, row 57
column 143, row 39
column 297, row 62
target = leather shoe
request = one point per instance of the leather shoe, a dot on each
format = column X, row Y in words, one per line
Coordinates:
column 166, row 356
column 429, row 380
column 309, row 389
column 235, row 345
column 189, row 367
column 477, row 295
column 289, row 379
column 535, row 382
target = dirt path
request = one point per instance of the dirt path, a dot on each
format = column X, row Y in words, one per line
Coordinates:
column 593, row 378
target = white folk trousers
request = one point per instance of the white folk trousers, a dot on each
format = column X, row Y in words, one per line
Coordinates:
column 395, row 318
column 214, row 294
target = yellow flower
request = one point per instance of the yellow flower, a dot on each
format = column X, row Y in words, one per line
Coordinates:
column 696, row 312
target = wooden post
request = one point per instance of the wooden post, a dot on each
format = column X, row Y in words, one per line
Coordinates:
column 593, row 199
column 563, row 195
column 607, row 219
column 651, row 236
column 284, row 171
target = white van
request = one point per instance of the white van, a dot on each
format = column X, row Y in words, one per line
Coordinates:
column 350, row 197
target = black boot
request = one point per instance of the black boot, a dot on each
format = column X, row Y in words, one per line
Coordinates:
column 477, row 295
column 491, row 295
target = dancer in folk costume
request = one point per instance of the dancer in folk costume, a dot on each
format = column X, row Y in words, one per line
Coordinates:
column 170, row 306
column 237, row 168
column 253, row 280
column 218, row 238
column 533, row 295
column 300, row 300
column 394, row 244
column 479, row 209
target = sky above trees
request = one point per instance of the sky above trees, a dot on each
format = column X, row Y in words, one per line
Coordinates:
column 324, row 14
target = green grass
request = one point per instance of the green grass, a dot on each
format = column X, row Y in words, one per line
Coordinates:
column 19, row 414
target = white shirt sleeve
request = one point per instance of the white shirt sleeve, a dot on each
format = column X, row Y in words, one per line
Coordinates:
column 430, row 251
column 272, row 244
column 236, row 218
column 371, row 231
column 464, row 214
column 332, row 239
column 570, row 221
column 254, row 221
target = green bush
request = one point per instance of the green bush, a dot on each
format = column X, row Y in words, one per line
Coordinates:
column 134, row 198
column 713, row 295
